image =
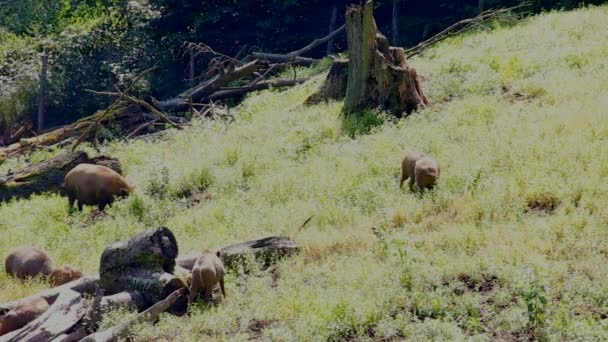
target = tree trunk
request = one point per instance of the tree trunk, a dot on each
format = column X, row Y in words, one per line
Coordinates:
column 144, row 263
column 395, row 23
column 48, row 175
column 268, row 250
column 41, row 97
column 332, row 27
column 360, row 33
column 378, row 75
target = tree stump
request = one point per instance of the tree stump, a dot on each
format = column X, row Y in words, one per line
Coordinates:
column 48, row 175
column 144, row 263
column 334, row 87
column 378, row 75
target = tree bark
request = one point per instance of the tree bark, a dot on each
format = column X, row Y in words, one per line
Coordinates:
column 64, row 313
column 48, row 175
column 86, row 284
column 144, row 263
column 44, row 58
column 378, row 75
column 268, row 251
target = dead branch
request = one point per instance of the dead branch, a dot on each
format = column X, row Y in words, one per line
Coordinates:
column 294, row 56
column 150, row 315
column 112, row 106
column 238, row 91
column 460, row 27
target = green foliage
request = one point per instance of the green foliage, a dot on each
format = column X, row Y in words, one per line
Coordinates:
column 361, row 123
column 536, row 303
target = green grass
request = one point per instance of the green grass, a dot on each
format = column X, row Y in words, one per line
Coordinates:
column 519, row 117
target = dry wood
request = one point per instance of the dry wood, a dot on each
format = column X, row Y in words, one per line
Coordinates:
column 150, row 315
column 294, row 56
column 108, row 111
column 131, row 299
column 460, row 27
column 267, row 250
column 86, row 284
column 126, row 116
column 64, row 313
column 239, row 91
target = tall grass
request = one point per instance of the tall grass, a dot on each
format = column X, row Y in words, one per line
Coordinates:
column 520, row 128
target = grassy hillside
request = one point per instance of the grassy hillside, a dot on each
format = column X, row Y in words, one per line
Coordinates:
column 519, row 121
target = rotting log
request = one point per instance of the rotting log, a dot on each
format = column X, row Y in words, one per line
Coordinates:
column 150, row 315
column 87, row 284
column 65, row 312
column 378, row 75
column 143, row 263
column 126, row 116
column 48, row 175
column 266, row 251
column 334, row 87
column 129, row 299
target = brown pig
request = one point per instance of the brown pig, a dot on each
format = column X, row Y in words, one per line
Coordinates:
column 91, row 184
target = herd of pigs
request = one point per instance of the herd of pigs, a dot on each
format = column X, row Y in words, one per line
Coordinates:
column 90, row 184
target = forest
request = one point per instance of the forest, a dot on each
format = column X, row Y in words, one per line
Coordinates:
column 375, row 170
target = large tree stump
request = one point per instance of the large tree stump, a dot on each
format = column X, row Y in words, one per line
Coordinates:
column 268, row 250
column 48, row 175
column 144, row 263
column 378, row 75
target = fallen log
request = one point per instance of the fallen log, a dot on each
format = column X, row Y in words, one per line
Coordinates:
column 150, row 315
column 129, row 299
column 240, row 91
column 64, row 313
column 9, row 138
column 48, row 175
column 208, row 87
column 378, row 75
column 144, row 263
column 267, row 251
column 82, row 285
column 126, row 116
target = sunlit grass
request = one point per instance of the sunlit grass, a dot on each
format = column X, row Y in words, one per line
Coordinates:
column 519, row 116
